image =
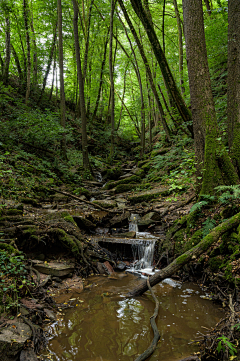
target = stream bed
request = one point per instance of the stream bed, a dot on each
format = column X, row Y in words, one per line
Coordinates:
column 105, row 326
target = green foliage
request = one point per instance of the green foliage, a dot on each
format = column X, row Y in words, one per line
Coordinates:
column 229, row 193
column 208, row 225
column 224, row 344
column 206, row 200
column 14, row 281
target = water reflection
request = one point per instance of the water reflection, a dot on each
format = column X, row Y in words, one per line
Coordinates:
column 113, row 328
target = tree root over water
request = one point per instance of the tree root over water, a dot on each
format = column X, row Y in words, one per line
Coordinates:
column 156, row 337
column 188, row 256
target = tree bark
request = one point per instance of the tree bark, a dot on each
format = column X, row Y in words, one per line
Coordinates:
column 213, row 162
column 49, row 62
column 233, row 81
column 188, row 256
column 61, row 69
column 26, row 23
column 86, row 164
column 112, row 100
column 162, row 61
column 101, row 77
column 180, row 46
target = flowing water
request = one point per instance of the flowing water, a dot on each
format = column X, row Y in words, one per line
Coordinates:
column 105, row 326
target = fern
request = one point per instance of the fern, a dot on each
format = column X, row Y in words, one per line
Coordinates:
column 230, row 193
column 198, row 206
column 208, row 225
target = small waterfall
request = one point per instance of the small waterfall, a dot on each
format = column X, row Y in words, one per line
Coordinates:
column 133, row 222
column 143, row 254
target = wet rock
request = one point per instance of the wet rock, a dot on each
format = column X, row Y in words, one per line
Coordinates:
column 57, row 279
column 108, row 267
column 53, row 268
column 101, row 269
column 105, row 203
column 12, row 340
column 121, row 266
column 50, row 314
column 28, row 355
column 120, row 220
column 131, row 234
column 148, row 219
column 83, row 223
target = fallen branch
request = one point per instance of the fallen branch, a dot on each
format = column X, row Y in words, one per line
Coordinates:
column 84, row 201
column 185, row 258
column 156, row 337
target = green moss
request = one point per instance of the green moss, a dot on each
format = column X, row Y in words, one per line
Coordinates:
column 13, row 211
column 121, row 188
column 70, row 219
column 215, row 263
column 82, row 191
column 7, row 247
column 146, row 167
column 30, row 230
column 182, row 259
column 66, row 240
column 132, row 179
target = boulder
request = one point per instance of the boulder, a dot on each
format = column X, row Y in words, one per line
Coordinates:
column 120, row 220
column 131, row 234
column 148, row 195
column 28, row 355
column 149, row 218
column 12, row 340
column 83, row 223
column 105, row 204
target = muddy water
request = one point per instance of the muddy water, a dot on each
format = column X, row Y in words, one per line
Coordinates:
column 104, row 326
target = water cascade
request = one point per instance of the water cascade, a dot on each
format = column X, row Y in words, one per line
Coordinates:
column 144, row 251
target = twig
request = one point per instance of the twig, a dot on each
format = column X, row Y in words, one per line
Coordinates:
column 156, row 337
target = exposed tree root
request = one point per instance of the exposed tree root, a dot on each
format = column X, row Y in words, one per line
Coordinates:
column 156, row 337
column 185, row 258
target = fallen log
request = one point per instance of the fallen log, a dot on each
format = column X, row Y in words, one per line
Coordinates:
column 84, row 201
column 156, row 336
column 186, row 257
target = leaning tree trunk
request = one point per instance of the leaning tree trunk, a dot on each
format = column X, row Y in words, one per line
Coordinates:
column 188, row 256
column 213, row 162
column 148, row 71
column 62, row 92
column 233, row 82
column 86, row 164
column 163, row 64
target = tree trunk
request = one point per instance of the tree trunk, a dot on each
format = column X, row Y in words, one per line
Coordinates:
column 101, row 77
column 87, row 43
column 208, row 7
column 233, row 82
column 62, row 92
column 162, row 61
column 112, row 100
column 54, row 72
column 180, row 46
column 148, row 71
column 17, row 62
column 213, row 161
column 35, row 57
column 26, row 22
column 163, row 28
column 49, row 62
column 185, row 258
column 8, row 51
column 86, row 164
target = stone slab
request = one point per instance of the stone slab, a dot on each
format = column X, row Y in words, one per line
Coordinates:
column 53, row 268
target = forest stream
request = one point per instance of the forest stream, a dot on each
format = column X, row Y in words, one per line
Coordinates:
column 103, row 325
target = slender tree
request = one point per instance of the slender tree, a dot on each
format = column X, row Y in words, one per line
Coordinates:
column 112, row 100
column 61, row 70
column 26, row 23
column 8, row 50
column 86, row 163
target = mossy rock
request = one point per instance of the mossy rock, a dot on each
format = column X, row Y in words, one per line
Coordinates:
column 9, row 248
column 121, row 188
column 13, row 211
column 105, row 203
column 148, row 195
column 146, row 167
column 31, row 201
column 139, row 172
column 82, row 191
column 132, row 179
column 160, row 151
column 113, row 173
column 142, row 162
